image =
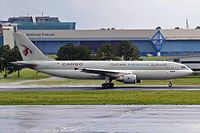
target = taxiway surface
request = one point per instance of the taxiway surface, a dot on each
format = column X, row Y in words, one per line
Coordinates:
column 100, row 119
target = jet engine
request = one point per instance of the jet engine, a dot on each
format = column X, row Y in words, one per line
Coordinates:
column 129, row 79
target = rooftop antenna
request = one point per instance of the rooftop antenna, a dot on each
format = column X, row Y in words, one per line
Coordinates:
column 187, row 24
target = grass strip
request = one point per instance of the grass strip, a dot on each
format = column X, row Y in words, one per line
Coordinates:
column 25, row 74
column 100, row 97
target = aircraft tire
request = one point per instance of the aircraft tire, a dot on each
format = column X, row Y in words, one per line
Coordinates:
column 107, row 85
column 111, row 85
column 170, row 84
column 104, row 85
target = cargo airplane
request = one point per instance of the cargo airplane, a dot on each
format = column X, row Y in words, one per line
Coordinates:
column 131, row 72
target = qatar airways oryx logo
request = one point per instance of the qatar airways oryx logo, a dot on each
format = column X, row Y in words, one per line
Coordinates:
column 26, row 51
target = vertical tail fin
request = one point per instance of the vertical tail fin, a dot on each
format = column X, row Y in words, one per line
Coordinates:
column 27, row 49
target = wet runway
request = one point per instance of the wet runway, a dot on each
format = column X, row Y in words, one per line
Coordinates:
column 100, row 119
column 95, row 87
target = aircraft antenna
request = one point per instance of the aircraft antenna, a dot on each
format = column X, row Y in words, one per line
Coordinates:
column 187, row 24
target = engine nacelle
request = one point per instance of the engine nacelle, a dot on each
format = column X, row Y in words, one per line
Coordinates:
column 129, row 79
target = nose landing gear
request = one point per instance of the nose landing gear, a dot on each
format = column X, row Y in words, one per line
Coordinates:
column 170, row 83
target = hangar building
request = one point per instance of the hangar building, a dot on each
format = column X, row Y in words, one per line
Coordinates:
column 49, row 34
column 165, row 42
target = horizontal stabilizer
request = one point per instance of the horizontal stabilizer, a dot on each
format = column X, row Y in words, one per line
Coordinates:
column 25, row 64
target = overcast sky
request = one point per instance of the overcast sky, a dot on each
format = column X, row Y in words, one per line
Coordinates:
column 120, row 14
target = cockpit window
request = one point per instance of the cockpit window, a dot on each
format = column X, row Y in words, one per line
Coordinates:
column 183, row 67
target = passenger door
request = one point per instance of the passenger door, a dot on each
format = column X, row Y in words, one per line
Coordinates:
column 172, row 68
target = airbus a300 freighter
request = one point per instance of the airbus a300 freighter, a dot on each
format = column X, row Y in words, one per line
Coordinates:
column 124, row 71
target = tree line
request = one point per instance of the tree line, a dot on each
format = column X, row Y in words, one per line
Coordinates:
column 123, row 51
column 8, row 55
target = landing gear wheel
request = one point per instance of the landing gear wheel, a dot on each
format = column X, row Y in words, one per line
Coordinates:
column 107, row 85
column 111, row 85
column 104, row 85
column 170, row 84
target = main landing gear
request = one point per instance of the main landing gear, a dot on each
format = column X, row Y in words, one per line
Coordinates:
column 170, row 83
column 108, row 83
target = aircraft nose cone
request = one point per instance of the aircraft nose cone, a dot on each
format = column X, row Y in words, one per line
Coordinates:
column 190, row 71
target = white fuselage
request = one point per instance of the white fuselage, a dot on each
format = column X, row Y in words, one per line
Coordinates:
column 144, row 70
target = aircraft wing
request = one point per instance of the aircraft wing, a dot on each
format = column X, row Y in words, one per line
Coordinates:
column 112, row 73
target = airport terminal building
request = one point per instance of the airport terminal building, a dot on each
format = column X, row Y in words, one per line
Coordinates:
column 49, row 34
